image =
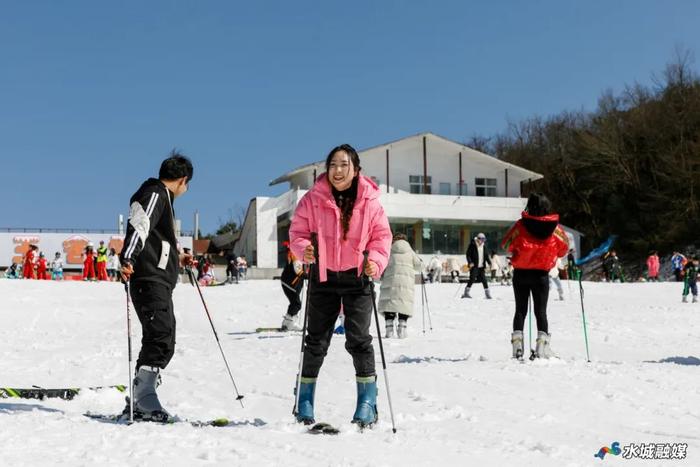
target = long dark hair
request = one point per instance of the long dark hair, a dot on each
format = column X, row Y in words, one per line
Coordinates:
column 348, row 202
column 538, row 205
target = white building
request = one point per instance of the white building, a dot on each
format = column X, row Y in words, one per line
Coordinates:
column 438, row 192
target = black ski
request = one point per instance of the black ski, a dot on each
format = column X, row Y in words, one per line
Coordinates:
column 323, row 429
column 124, row 420
column 45, row 393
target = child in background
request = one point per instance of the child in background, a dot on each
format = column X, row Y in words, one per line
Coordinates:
column 113, row 265
column 89, row 263
column 690, row 284
column 11, row 272
column 57, row 267
column 41, row 268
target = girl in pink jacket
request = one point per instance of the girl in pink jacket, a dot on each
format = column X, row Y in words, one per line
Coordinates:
column 342, row 211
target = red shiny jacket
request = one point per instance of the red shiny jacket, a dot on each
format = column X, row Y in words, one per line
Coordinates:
column 536, row 242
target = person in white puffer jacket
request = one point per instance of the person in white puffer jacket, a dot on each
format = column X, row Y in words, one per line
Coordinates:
column 397, row 290
column 113, row 265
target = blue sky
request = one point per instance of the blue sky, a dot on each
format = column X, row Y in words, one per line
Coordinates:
column 93, row 95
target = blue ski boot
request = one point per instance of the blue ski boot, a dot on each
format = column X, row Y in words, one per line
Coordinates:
column 366, row 411
column 305, row 409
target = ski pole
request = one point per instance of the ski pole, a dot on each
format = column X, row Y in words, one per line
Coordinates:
column 239, row 397
column 533, row 354
column 309, row 270
column 583, row 316
column 422, row 299
column 128, row 334
column 427, row 307
column 379, row 338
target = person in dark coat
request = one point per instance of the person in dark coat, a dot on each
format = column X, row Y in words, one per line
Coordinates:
column 292, row 282
column 478, row 259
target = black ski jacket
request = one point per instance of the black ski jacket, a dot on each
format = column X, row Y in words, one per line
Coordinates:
column 473, row 254
column 150, row 244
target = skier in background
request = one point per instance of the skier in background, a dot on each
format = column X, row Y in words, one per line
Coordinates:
column 89, row 263
column 292, row 281
column 536, row 241
column 613, row 267
column 678, row 262
column 653, row 265
column 477, row 258
column 398, row 284
column 29, row 260
column 231, row 268
column 690, row 284
column 41, row 268
column 102, row 261
column 113, row 265
column 554, row 277
column 57, row 267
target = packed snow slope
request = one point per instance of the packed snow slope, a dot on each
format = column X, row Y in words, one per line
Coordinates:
column 458, row 397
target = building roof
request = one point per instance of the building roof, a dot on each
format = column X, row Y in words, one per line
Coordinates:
column 319, row 165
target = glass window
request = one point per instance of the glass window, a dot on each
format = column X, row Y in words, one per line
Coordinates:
column 416, row 184
column 445, row 188
column 485, row 186
column 406, row 229
column 441, row 238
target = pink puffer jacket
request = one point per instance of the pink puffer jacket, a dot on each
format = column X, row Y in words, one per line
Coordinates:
column 369, row 228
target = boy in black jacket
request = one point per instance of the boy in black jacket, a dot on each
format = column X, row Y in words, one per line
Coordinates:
column 151, row 263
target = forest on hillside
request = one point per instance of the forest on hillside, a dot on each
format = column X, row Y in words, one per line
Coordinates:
column 631, row 167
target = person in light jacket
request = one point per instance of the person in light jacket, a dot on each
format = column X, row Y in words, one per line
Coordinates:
column 397, row 290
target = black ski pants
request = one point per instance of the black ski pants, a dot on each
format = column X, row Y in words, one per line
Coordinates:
column 154, row 307
column 477, row 275
column 325, row 299
column 533, row 282
column 293, row 293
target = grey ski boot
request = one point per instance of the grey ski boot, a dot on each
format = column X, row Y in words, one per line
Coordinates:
column 487, row 291
column 146, row 403
column 466, row 293
column 402, row 329
column 389, row 330
column 543, row 350
column 518, row 344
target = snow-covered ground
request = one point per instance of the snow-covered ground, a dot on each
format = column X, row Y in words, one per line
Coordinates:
column 458, row 397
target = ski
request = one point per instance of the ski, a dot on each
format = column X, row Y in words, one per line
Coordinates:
column 40, row 393
column 275, row 330
column 323, row 429
column 123, row 420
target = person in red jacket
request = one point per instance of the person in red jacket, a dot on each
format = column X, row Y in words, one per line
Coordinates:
column 28, row 267
column 89, row 263
column 535, row 241
column 41, row 268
